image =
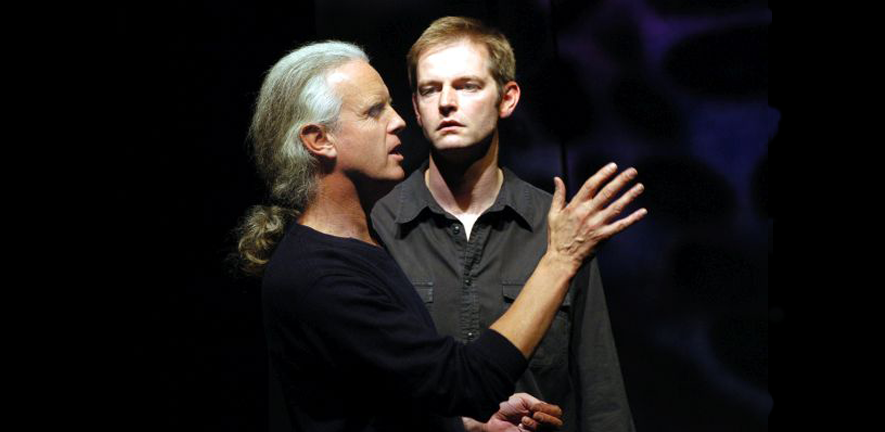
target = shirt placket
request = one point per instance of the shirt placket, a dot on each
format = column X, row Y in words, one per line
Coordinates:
column 469, row 320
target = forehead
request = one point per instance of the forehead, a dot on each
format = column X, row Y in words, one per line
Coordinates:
column 357, row 83
column 460, row 58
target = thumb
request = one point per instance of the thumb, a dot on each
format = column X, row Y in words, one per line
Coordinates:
column 524, row 401
column 558, row 194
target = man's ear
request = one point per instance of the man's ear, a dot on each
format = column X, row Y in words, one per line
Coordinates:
column 415, row 107
column 317, row 141
column 509, row 99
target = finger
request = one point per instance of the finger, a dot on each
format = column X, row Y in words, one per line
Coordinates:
column 588, row 190
column 547, row 408
column 558, row 194
column 525, row 396
column 624, row 223
column 618, row 206
column 547, row 419
column 523, row 401
column 529, row 423
column 612, row 188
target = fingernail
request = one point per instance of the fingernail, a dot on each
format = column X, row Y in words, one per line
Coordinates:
column 611, row 166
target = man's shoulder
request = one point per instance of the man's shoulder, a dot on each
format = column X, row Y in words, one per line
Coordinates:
column 304, row 253
column 306, row 260
column 530, row 200
column 386, row 208
column 384, row 214
column 531, row 189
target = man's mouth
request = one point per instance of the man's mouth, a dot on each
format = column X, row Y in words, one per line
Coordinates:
column 448, row 123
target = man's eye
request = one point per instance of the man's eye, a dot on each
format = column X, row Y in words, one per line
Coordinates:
column 426, row 91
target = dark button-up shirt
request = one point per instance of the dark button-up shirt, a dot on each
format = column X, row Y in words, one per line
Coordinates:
column 468, row 283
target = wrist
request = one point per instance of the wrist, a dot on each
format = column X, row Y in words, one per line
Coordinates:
column 560, row 263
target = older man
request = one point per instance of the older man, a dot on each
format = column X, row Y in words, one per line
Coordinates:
column 353, row 344
column 468, row 233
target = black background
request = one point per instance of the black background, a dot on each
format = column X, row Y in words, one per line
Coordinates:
column 678, row 89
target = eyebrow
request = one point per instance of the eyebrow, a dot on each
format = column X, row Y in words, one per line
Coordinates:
column 460, row 78
column 379, row 103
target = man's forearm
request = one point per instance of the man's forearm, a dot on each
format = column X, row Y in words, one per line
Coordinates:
column 531, row 314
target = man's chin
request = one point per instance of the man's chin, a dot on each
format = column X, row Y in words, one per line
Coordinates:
column 395, row 176
column 379, row 180
column 459, row 152
column 451, row 143
column 387, row 185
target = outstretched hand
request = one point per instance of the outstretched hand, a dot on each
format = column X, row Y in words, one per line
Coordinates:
column 579, row 228
column 522, row 412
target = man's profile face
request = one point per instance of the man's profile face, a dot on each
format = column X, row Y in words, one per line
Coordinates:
column 366, row 138
column 456, row 97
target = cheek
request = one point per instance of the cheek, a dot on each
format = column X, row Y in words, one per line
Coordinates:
column 421, row 115
column 488, row 115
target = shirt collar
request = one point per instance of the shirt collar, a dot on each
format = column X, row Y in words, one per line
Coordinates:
column 414, row 198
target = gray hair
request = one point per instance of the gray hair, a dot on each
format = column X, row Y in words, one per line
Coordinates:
column 295, row 93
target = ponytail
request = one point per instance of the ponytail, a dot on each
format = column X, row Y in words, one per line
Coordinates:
column 260, row 231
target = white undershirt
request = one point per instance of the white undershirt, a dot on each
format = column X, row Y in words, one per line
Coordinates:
column 469, row 219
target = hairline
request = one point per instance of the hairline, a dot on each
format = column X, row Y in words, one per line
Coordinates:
column 451, row 43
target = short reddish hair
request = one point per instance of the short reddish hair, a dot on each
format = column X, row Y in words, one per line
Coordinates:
column 447, row 30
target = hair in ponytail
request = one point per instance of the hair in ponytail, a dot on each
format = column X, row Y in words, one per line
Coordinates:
column 294, row 94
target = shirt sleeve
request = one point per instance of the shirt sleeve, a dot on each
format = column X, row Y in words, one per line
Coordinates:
column 601, row 395
column 364, row 330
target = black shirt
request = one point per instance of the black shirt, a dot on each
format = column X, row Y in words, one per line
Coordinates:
column 468, row 283
column 356, row 350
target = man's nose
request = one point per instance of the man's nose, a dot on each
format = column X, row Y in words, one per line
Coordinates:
column 397, row 124
column 448, row 100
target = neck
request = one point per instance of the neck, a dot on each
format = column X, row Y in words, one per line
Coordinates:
column 339, row 209
column 464, row 183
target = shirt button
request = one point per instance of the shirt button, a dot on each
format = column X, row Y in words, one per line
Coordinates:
column 470, row 335
column 457, row 229
column 467, row 281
